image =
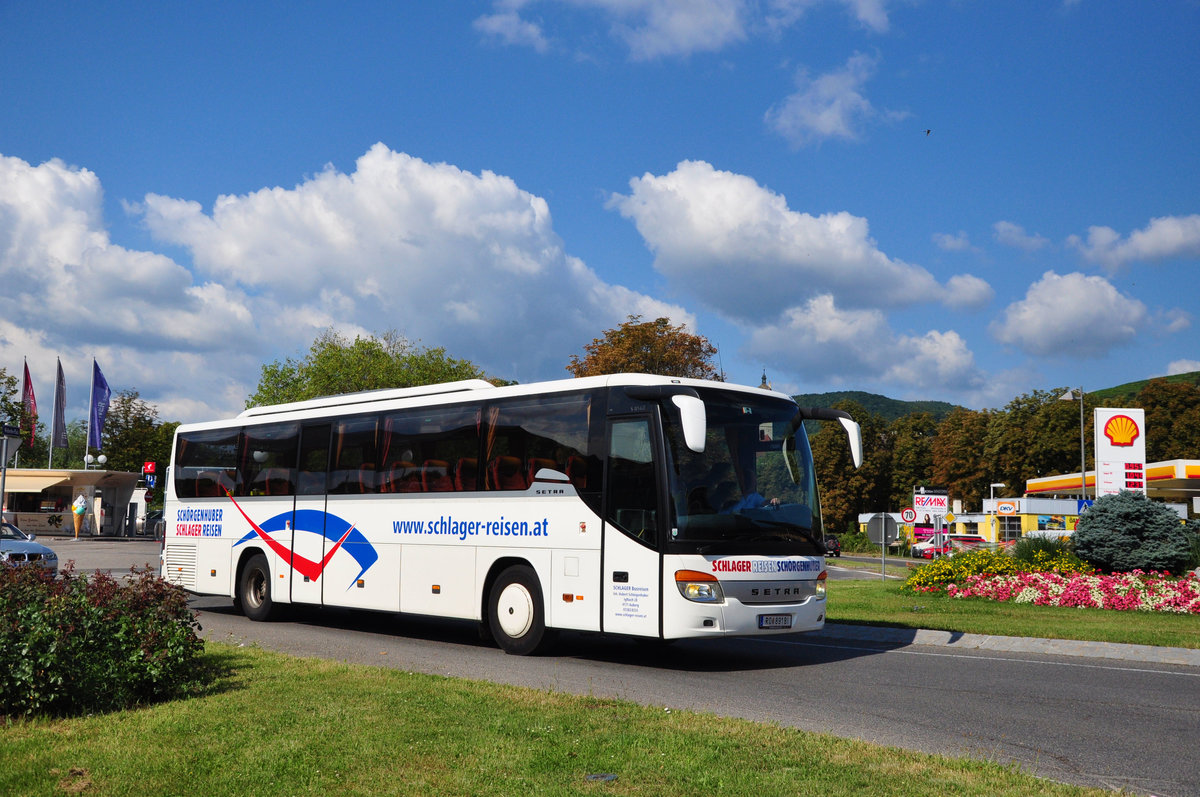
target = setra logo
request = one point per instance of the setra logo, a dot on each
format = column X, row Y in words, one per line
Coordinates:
column 1121, row 430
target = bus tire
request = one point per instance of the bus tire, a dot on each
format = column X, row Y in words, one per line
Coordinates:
column 254, row 589
column 516, row 616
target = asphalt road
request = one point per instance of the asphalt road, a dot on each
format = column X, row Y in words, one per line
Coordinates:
column 1109, row 723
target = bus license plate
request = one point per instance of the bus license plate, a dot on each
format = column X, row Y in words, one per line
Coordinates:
column 774, row 621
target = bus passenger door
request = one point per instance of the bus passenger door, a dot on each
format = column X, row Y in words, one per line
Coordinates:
column 632, row 573
column 308, row 520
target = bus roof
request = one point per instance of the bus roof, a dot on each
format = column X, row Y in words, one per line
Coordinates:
column 477, row 388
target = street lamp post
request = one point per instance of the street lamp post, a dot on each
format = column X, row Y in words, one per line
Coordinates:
column 993, row 486
column 1070, row 396
column 89, row 460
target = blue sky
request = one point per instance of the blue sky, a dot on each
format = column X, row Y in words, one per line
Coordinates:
column 952, row 200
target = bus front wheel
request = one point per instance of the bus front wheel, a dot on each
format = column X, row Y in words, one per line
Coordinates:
column 517, row 618
column 254, row 589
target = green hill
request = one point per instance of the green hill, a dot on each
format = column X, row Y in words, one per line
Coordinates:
column 1131, row 389
column 889, row 408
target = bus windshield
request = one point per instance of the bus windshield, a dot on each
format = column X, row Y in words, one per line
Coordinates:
column 752, row 490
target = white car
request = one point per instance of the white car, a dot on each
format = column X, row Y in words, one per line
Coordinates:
column 19, row 548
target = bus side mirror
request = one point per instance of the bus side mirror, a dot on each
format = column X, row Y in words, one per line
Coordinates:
column 692, row 420
column 854, row 432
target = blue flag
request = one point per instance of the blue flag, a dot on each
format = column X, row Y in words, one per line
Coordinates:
column 100, row 397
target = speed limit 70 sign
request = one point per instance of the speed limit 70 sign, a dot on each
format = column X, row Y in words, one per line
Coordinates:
column 909, row 515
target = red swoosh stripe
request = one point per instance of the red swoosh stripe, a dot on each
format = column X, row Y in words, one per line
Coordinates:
column 306, row 567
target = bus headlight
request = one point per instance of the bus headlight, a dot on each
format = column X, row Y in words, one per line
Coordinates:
column 820, row 590
column 699, row 587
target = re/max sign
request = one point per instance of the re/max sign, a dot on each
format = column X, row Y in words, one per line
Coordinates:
column 929, row 503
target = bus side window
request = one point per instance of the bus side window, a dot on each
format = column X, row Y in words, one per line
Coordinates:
column 314, row 460
column 354, row 446
column 429, row 450
column 632, row 497
column 268, row 462
column 531, row 434
column 206, row 463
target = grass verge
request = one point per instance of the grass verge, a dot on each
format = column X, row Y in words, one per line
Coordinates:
column 885, row 603
column 273, row 724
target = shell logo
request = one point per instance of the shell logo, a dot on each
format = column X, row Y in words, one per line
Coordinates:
column 1121, row 430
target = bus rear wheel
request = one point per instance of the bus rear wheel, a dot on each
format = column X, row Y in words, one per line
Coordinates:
column 516, row 616
column 254, row 589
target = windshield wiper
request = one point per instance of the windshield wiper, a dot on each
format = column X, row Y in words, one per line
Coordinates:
column 803, row 532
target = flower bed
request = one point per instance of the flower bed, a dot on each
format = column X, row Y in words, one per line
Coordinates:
column 1134, row 591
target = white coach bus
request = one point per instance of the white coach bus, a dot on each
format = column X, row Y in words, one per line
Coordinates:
column 628, row 504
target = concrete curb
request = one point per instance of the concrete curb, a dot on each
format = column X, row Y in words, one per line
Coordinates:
column 1011, row 644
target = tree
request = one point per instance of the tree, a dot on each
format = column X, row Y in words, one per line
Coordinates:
column 845, row 491
column 959, row 462
column 1127, row 531
column 913, row 438
column 650, row 347
column 1172, row 419
column 130, row 435
column 336, row 365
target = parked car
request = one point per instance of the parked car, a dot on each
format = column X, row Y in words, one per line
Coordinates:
column 833, row 546
column 19, row 548
column 947, row 544
column 152, row 524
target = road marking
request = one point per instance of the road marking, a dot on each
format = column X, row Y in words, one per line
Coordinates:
column 965, row 656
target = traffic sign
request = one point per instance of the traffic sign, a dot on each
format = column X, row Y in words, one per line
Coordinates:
column 949, row 517
column 882, row 528
column 909, row 515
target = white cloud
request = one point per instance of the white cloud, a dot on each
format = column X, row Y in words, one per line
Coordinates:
column 1014, row 235
column 656, row 28
column 652, row 29
column 468, row 262
column 961, row 242
column 856, row 346
column 871, row 13
column 1163, row 238
column 831, row 105
column 738, row 247
column 1182, row 367
column 508, row 28
column 74, row 294
column 1071, row 315
column 968, row 291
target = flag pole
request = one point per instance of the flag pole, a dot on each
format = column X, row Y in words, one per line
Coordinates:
column 87, row 441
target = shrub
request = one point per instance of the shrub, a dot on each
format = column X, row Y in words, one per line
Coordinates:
column 944, row 571
column 1023, row 550
column 1038, row 554
column 75, row 644
column 1193, row 527
column 856, row 541
column 1127, row 531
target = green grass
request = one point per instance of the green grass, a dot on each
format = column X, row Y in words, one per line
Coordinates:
column 273, row 724
column 885, row 603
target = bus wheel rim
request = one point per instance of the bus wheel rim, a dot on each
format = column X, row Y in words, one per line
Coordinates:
column 514, row 611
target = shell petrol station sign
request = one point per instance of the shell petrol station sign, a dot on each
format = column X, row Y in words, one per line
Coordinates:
column 1120, row 444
